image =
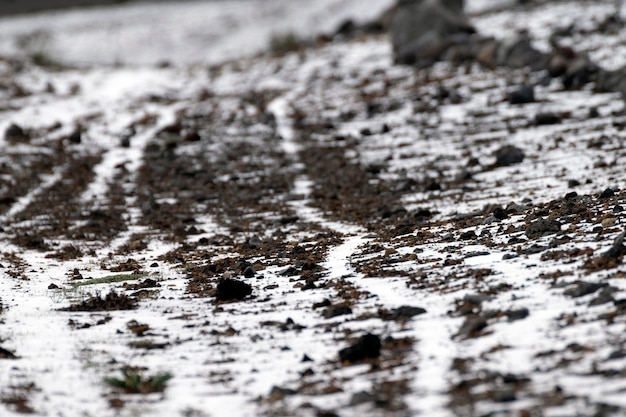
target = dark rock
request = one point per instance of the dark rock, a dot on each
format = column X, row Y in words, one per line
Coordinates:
column 505, row 394
column 518, row 52
column 509, row 155
column 148, row 283
column 476, row 298
column 249, row 271
column 523, row 95
column 125, row 142
column 605, row 296
column 559, row 60
column 306, row 358
column 75, row 136
column 469, row 235
column 338, row 310
column 518, row 314
column 580, row 71
column 422, row 31
column 232, row 289
column 583, row 288
column 612, row 81
column 278, row 393
column 547, row 118
column 403, row 313
column 608, row 193
column 543, row 227
column 254, row 242
column 617, row 354
column 500, row 214
column 53, row 286
column 617, row 250
column 7, row 354
column 367, row 346
column 471, row 327
column 362, row 397
column 15, row 133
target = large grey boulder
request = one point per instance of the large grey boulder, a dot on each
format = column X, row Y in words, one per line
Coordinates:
column 422, row 30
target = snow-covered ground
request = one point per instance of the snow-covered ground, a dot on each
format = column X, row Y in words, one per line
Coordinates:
column 351, row 195
column 184, row 32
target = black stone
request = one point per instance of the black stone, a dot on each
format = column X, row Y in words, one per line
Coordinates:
column 334, row 311
column 500, row 213
column 232, row 289
column 7, row 354
column 523, row 95
column 14, row 132
column 607, row 193
column 509, row 155
column 547, row 118
column 617, row 250
column 519, row 314
column 368, row 346
column 543, row 227
column 249, row 272
column 471, row 327
column 469, row 235
column 583, row 288
column 76, row 136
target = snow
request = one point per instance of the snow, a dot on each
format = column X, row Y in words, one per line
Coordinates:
column 180, row 32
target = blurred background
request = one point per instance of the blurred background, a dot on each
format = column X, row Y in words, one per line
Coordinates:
column 123, row 32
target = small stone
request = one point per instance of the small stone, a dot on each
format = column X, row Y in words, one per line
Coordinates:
column 523, row 95
column 471, row 327
column 509, row 155
column 368, row 346
column 53, row 286
column 518, row 314
column 278, row 393
column 362, row 397
column 500, row 213
column 249, row 272
column 232, row 289
column 15, row 132
column 543, row 227
column 617, row 250
column 338, row 310
column 605, row 296
column 469, row 235
column 607, row 193
column 476, row 298
column 547, row 118
column 76, row 136
column 503, row 395
column 7, row 354
column 583, row 288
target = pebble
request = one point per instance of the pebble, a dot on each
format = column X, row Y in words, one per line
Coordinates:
column 543, row 227
column 368, row 346
column 232, row 289
column 523, row 95
column 509, row 155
